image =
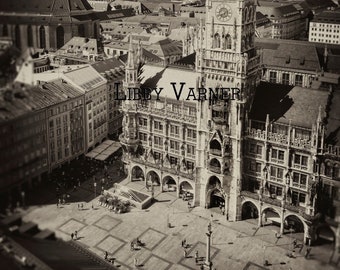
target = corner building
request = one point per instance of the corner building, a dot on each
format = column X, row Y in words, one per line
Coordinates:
column 236, row 154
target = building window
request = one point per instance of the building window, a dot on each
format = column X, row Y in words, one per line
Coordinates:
column 300, row 161
column 277, row 156
column 5, row 30
column 255, row 167
column 191, row 134
column 173, row 160
column 191, row 150
column 29, row 36
column 158, row 142
column 174, row 130
column 272, row 76
column 298, row 80
column 17, row 36
column 285, row 78
column 158, row 126
column 60, row 36
column 276, row 173
column 143, row 136
column 143, row 122
column 42, row 37
column 255, row 149
column 299, row 180
column 174, row 146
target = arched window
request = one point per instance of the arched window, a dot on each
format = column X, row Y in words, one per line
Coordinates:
column 228, row 42
column 29, row 36
column 217, row 41
column 17, row 36
column 42, row 37
column 60, row 36
column 81, row 30
column 5, row 30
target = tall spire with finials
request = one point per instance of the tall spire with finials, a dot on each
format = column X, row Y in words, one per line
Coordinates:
column 131, row 67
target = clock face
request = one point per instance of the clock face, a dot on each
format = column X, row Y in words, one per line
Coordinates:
column 223, row 13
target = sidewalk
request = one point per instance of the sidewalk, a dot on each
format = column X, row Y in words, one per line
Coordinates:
column 235, row 245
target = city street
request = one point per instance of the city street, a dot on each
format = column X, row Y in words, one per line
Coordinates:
column 235, row 245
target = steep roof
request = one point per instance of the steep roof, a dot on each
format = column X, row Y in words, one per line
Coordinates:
column 289, row 54
column 287, row 103
column 20, row 100
column 45, row 11
column 160, row 77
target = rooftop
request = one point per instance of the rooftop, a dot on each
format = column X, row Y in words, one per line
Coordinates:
column 86, row 78
column 160, row 77
column 287, row 104
column 19, row 100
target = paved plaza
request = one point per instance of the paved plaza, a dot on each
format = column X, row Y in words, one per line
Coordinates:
column 235, row 245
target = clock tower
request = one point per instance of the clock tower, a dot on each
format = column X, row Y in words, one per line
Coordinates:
column 225, row 58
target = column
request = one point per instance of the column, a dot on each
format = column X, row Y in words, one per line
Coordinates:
column 208, row 263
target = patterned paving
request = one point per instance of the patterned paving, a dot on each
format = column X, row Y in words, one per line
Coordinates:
column 71, row 226
column 110, row 244
column 91, row 235
column 201, row 248
column 152, row 238
column 155, row 262
column 107, row 223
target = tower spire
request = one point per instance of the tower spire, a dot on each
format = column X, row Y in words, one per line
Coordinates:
column 131, row 55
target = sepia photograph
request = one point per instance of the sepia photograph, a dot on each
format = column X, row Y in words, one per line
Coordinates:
column 170, row 135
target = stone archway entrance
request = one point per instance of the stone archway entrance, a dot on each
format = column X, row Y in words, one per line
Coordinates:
column 186, row 191
column 249, row 211
column 271, row 217
column 152, row 179
column 169, row 184
column 294, row 226
column 137, row 174
column 214, row 197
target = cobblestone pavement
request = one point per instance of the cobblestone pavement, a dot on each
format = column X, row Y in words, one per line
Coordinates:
column 235, row 245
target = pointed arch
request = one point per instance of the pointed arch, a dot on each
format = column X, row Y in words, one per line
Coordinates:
column 217, row 41
column 29, row 36
column 42, row 37
column 60, row 36
column 228, row 42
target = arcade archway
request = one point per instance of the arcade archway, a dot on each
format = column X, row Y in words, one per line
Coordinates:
column 153, row 179
column 137, row 174
column 271, row 217
column 169, row 184
column 249, row 211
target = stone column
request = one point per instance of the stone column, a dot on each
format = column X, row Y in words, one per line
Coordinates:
column 207, row 262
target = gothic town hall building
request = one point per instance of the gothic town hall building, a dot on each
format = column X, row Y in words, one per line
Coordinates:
column 262, row 155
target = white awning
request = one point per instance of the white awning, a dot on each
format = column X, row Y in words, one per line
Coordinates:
column 104, row 150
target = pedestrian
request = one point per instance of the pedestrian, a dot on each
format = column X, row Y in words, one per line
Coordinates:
column 227, row 216
column 185, row 253
column 76, row 235
column 295, row 243
column 196, row 256
column 202, row 267
column 82, row 206
column 184, row 243
column 78, row 206
column 57, row 205
column 72, row 235
column 132, row 246
column 136, row 262
column 106, row 254
column 308, row 250
column 211, row 217
column 301, row 248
